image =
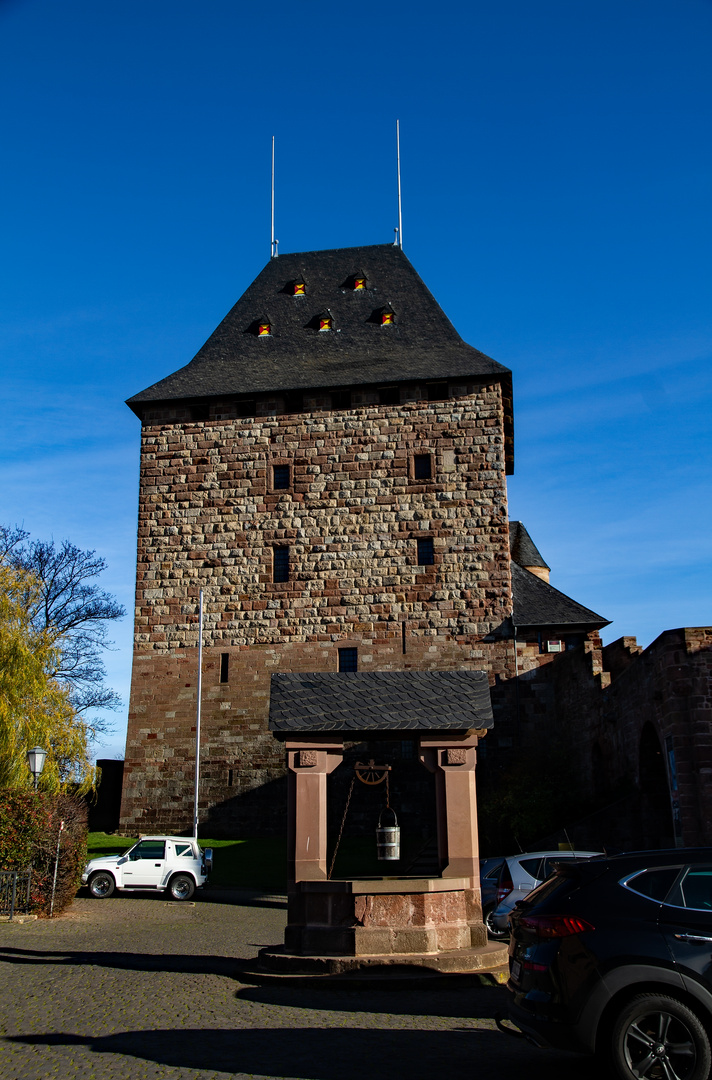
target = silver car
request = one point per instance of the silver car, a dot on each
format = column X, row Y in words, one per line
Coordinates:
column 518, row 875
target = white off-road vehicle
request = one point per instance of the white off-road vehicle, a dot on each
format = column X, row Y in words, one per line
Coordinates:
column 174, row 864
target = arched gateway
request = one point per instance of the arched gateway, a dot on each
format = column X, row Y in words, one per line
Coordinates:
column 339, row 924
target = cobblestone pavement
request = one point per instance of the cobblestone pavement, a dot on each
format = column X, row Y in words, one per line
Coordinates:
column 137, row 987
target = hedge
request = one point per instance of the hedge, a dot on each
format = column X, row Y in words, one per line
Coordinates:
column 29, row 828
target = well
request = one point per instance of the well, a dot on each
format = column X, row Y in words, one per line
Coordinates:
column 337, row 925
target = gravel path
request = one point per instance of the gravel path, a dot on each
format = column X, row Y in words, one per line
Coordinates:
column 135, row 987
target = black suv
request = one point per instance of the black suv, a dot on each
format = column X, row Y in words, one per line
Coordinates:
column 614, row 956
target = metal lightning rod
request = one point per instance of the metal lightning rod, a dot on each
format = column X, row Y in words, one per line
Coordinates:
column 400, row 205
column 273, row 245
column 197, row 718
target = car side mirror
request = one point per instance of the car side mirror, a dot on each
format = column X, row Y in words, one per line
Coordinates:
column 208, row 859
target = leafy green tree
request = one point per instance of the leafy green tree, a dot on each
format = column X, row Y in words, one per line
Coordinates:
column 35, row 705
column 74, row 610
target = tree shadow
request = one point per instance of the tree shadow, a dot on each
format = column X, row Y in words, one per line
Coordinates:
column 126, row 961
column 332, row 1053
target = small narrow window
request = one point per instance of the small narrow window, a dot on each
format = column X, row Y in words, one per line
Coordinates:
column 341, row 399
column 403, row 633
column 348, row 659
column 224, row 667
column 281, row 477
column 230, row 774
column 422, row 467
column 426, row 555
column 264, row 329
column 389, row 395
column 281, row 564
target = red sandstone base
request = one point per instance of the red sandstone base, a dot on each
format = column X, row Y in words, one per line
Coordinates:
column 340, row 926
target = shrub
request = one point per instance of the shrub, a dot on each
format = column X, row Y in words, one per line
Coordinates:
column 29, row 828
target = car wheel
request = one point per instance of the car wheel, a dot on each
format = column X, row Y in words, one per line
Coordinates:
column 659, row 1038
column 101, row 884
column 493, row 931
column 181, row 887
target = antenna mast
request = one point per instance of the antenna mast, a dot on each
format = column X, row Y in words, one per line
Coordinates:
column 399, row 237
column 274, row 243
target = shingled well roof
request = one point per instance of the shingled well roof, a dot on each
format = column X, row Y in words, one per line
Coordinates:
column 382, row 701
column 421, row 343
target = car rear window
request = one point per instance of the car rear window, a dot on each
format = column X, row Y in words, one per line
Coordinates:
column 532, row 866
column 547, row 888
column 694, row 890
column 185, row 850
column 655, row 884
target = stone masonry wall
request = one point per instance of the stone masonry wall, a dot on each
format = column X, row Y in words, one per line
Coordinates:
column 210, row 517
column 602, row 699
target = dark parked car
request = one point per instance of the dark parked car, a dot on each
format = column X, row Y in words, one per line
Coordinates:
column 614, row 956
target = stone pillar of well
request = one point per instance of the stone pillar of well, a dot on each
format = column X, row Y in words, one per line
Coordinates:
column 453, row 757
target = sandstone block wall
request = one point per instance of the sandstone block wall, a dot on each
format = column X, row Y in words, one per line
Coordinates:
column 210, row 517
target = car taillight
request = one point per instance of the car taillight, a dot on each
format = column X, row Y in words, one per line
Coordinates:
column 554, row 926
column 505, row 884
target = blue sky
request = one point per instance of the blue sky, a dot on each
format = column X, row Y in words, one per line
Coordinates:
column 556, row 195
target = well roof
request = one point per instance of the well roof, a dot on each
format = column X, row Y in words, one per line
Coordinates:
column 379, row 701
column 422, row 343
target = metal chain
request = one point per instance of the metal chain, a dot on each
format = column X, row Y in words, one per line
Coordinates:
column 388, row 792
column 341, row 830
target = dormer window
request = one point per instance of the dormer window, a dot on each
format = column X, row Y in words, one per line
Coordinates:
column 387, row 317
column 359, row 284
column 299, row 288
column 264, row 329
column 326, row 323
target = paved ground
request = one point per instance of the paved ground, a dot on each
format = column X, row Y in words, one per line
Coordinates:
column 137, row 987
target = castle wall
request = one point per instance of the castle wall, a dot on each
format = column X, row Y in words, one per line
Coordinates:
column 606, row 702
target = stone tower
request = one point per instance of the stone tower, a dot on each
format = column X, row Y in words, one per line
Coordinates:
column 330, row 470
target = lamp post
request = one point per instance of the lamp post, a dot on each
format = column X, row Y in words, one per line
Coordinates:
column 36, row 759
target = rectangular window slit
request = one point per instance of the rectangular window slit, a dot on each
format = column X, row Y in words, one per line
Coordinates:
column 348, row 659
column 281, row 564
column 422, row 467
column 224, row 667
column 403, row 636
column 426, row 556
column 229, row 777
column 281, row 477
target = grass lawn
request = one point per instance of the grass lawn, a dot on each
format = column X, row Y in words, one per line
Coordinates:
column 262, row 864
column 248, row 864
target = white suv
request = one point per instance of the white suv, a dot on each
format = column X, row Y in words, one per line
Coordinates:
column 172, row 863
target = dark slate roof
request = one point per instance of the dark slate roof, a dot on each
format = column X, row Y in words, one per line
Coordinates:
column 380, row 701
column 536, row 603
column 522, row 548
column 421, row 344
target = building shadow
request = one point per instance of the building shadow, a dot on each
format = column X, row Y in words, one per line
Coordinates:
column 331, row 1053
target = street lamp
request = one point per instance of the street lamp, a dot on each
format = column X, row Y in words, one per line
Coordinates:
column 36, row 759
